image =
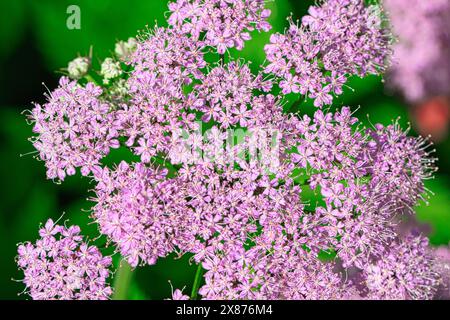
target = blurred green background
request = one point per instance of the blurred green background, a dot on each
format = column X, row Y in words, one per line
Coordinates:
column 35, row 43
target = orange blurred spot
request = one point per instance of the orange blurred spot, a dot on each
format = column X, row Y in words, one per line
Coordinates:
column 432, row 118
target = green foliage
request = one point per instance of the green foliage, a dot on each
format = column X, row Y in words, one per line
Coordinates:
column 103, row 23
column 12, row 16
column 436, row 210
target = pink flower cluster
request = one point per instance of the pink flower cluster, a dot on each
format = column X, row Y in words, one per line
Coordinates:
column 338, row 39
column 226, row 96
column 141, row 211
column 61, row 266
column 163, row 64
column 253, row 233
column 74, row 129
column 405, row 272
column 221, row 24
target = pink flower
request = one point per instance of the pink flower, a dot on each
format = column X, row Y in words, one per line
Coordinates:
column 61, row 266
column 178, row 295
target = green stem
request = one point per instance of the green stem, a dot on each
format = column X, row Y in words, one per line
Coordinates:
column 197, row 280
column 90, row 78
column 122, row 281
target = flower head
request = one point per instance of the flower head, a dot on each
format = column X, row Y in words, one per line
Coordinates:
column 78, row 67
column 336, row 40
column 75, row 128
column 110, row 70
column 226, row 23
column 227, row 96
column 60, row 265
column 164, row 63
column 141, row 211
column 124, row 49
column 406, row 272
column 400, row 164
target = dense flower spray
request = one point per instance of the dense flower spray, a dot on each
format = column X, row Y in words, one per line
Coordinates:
column 335, row 40
column 164, row 63
column 73, row 129
column 60, row 265
column 405, row 272
column 256, row 195
column 221, row 24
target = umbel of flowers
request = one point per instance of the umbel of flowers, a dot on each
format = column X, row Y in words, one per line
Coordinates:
column 249, row 221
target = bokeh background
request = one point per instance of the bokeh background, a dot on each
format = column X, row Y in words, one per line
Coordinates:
column 35, row 45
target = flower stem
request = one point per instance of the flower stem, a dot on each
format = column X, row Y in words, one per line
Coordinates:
column 197, row 280
column 90, row 78
column 122, row 281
